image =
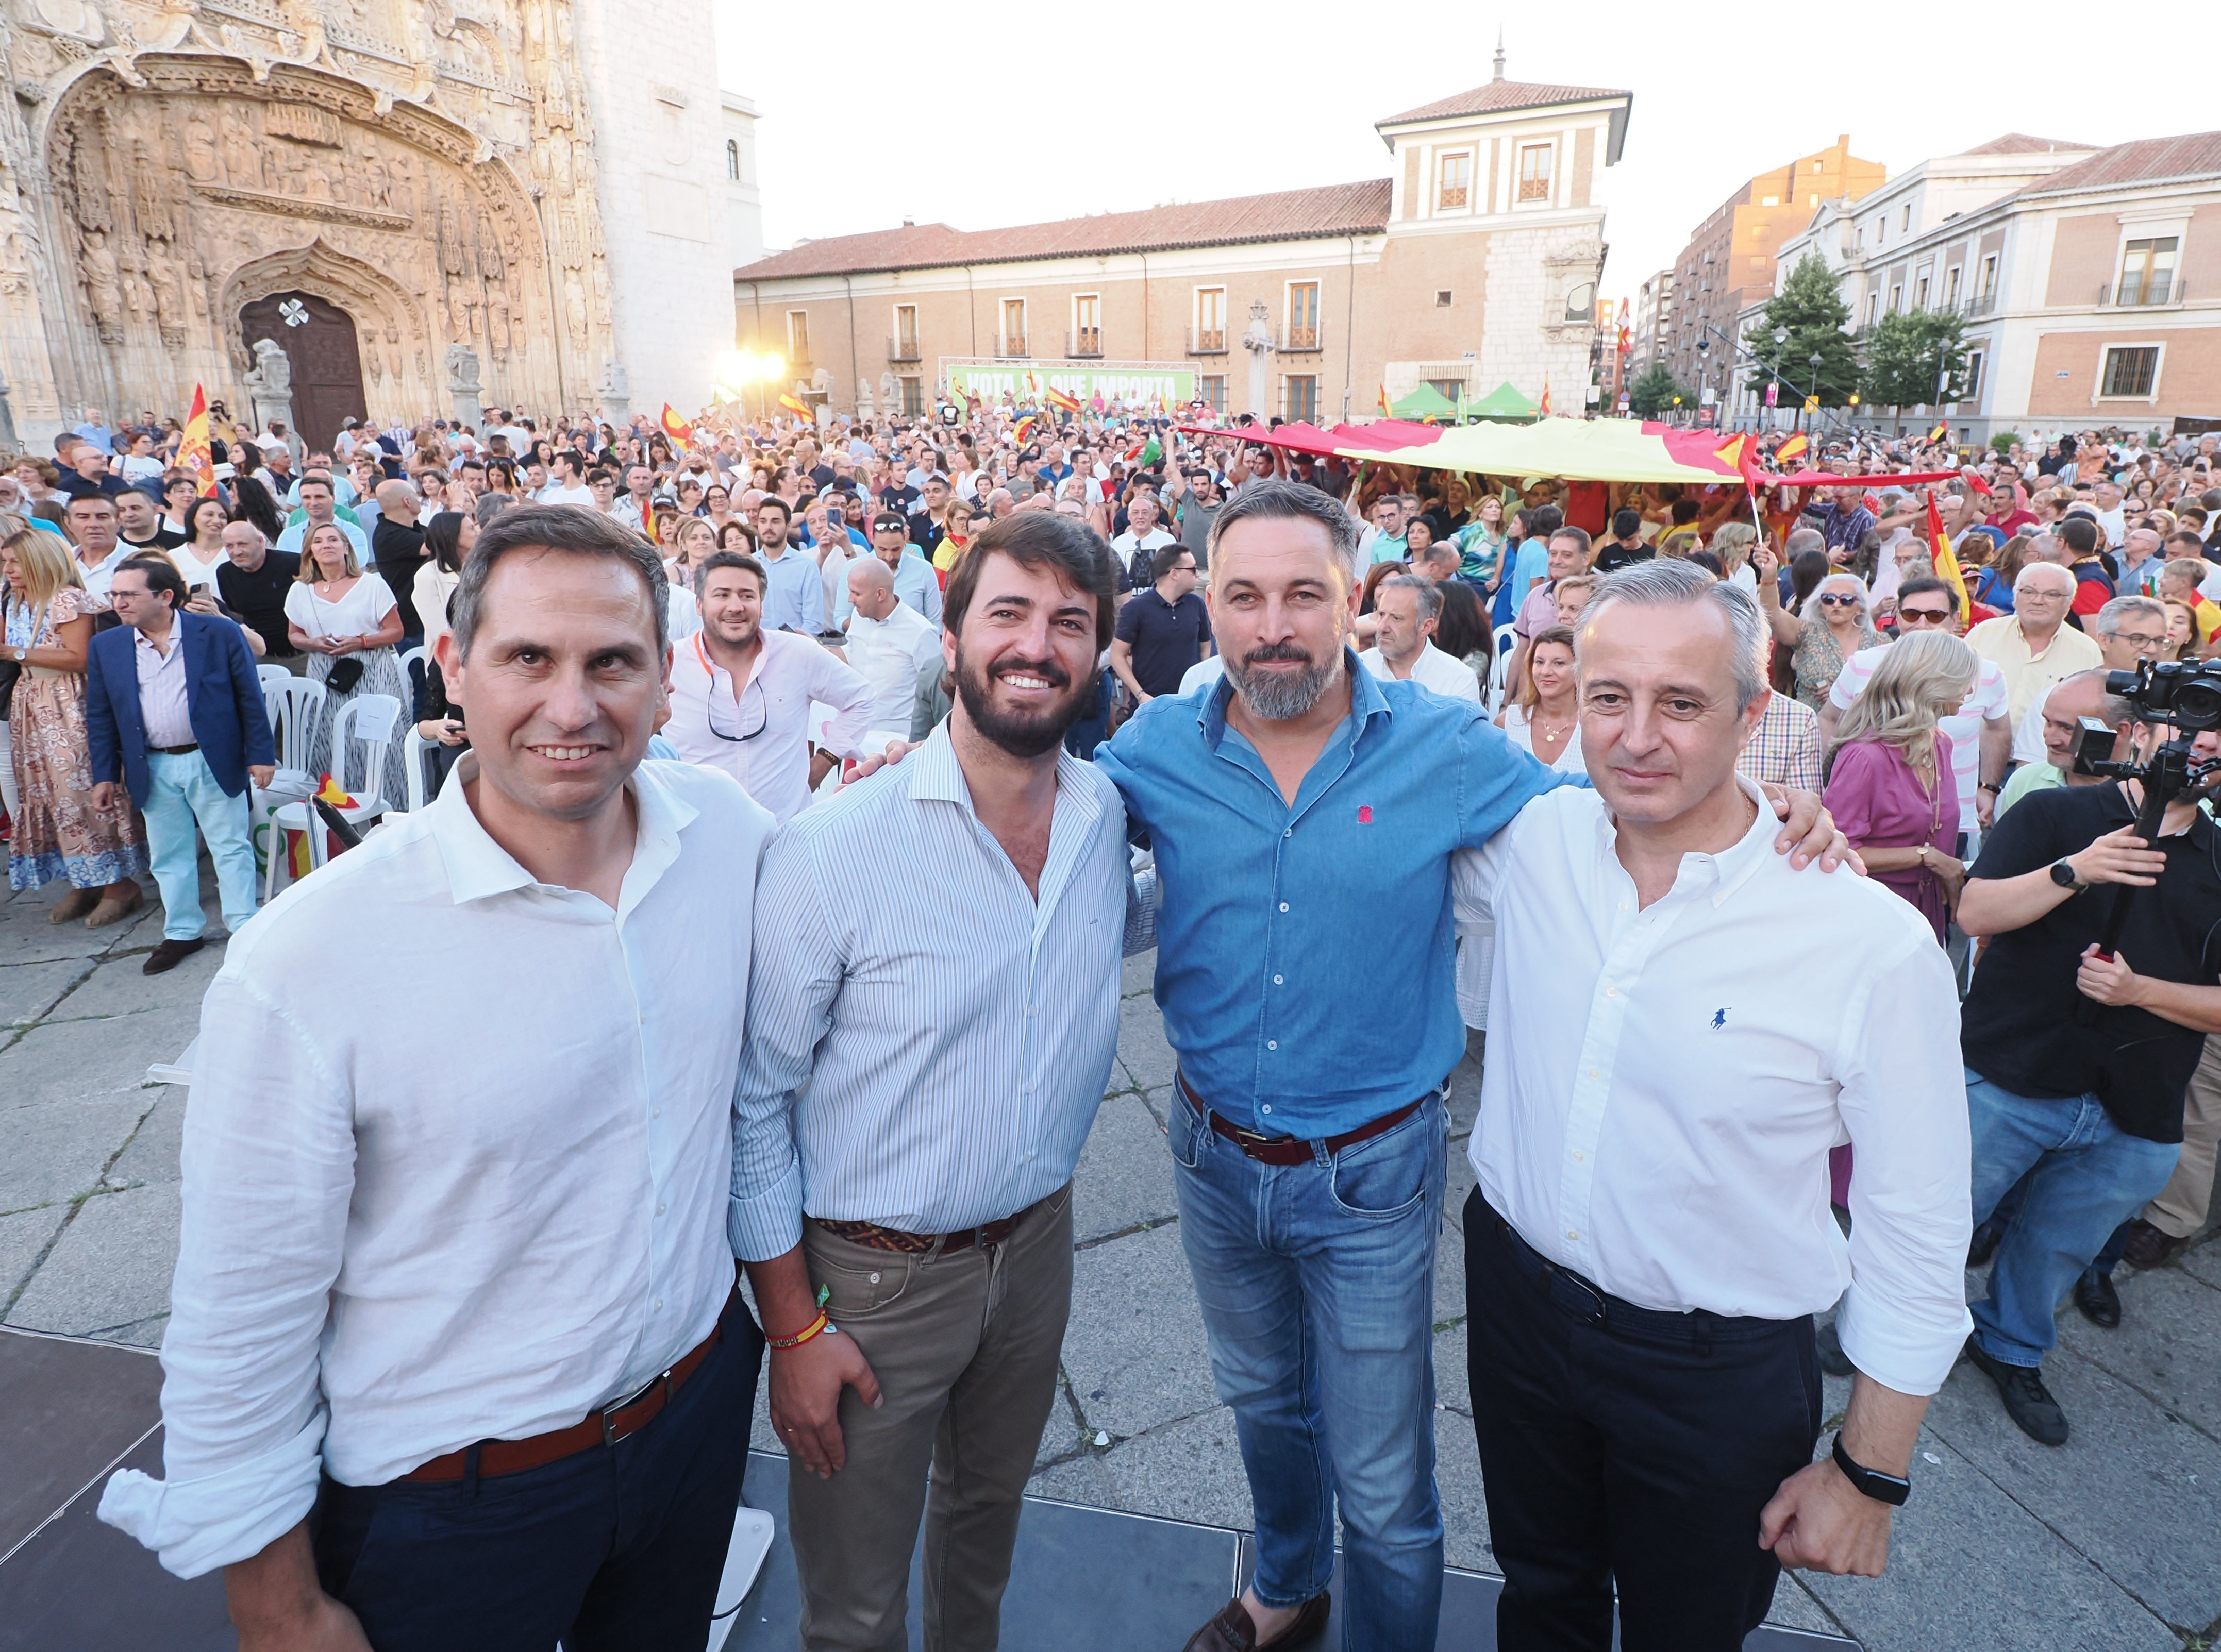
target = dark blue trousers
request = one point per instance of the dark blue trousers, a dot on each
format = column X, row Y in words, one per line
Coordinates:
column 1623, row 1446
column 615, row 1549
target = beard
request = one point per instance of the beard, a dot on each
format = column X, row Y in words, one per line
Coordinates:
column 1279, row 696
column 1021, row 733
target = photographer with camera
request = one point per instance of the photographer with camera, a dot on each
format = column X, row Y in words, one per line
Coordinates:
column 2092, row 1113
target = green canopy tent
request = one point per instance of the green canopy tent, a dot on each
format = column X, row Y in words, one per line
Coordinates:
column 1502, row 403
column 1426, row 402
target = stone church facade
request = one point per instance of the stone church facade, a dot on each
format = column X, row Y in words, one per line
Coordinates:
column 416, row 202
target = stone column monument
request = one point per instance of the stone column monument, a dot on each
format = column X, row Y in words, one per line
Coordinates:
column 1258, row 341
column 464, row 386
column 269, row 386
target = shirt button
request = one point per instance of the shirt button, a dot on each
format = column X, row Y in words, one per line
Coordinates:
column 1276, row 981
column 655, row 1113
column 1283, row 905
column 660, row 1208
column 1611, row 992
column 1578, row 1156
column 875, row 1279
column 659, row 1305
column 1272, row 1044
column 1290, row 832
column 1595, row 1072
column 1268, row 1109
column 1574, row 1234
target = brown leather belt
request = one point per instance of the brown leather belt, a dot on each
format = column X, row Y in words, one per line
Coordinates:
column 1289, row 1150
column 604, row 1427
column 173, row 751
column 872, row 1236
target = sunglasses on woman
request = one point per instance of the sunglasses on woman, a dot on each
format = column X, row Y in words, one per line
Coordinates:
column 1839, row 600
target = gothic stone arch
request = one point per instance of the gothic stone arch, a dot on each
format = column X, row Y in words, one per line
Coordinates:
column 182, row 196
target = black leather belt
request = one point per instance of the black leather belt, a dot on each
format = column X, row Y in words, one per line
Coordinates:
column 174, row 750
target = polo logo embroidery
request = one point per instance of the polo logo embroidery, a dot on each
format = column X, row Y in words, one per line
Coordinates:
column 1719, row 1019
column 1364, row 814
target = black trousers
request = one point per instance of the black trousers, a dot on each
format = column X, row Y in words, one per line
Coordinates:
column 1622, row 1445
column 616, row 1549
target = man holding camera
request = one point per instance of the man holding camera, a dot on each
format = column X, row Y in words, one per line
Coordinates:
column 2091, row 1114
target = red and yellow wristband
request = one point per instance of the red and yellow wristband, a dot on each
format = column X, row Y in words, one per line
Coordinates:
column 817, row 1327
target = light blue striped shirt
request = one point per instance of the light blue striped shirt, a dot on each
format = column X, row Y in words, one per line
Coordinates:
column 951, row 1036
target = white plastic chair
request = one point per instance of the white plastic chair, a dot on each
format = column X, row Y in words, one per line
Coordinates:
column 421, row 656
column 1499, row 666
column 295, row 704
column 370, row 796
column 268, row 674
column 413, row 748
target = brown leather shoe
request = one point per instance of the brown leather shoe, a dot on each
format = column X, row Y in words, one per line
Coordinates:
column 1232, row 1632
column 2149, row 1247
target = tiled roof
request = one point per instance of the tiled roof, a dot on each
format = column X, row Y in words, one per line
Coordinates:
column 2197, row 154
column 2019, row 143
column 1499, row 96
column 1333, row 210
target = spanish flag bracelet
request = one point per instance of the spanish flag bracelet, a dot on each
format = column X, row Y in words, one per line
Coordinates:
column 816, row 1327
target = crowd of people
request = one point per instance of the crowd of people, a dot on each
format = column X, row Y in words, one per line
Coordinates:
column 1474, row 752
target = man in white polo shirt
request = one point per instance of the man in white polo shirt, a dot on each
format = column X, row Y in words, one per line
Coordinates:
column 889, row 644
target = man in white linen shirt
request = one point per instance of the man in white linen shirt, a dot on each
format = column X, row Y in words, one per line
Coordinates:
column 464, row 1292
column 1408, row 609
column 740, row 694
column 1650, row 1234
column 889, row 643
column 920, row 1076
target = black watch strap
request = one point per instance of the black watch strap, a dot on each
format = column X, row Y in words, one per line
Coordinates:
column 1892, row 1489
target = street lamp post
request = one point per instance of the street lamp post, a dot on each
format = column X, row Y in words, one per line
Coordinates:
column 1781, row 338
column 1814, row 393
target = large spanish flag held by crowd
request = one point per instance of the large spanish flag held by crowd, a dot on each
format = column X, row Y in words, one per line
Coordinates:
column 1947, row 560
column 194, row 453
column 674, row 427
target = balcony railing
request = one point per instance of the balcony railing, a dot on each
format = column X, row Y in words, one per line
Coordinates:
column 1013, row 348
column 1299, row 340
column 2142, row 295
column 1086, row 341
column 1454, row 197
column 901, row 349
column 1206, row 341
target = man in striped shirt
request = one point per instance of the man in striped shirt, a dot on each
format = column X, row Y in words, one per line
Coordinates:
column 923, row 1067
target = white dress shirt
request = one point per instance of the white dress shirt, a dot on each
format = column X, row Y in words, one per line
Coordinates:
column 162, row 705
column 413, row 1223
column 1661, row 1121
column 1432, row 669
column 772, row 766
column 889, row 653
column 951, row 1043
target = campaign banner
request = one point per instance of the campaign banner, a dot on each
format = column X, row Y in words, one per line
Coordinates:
column 1028, row 383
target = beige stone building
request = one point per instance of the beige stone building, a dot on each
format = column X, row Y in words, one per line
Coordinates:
column 415, row 202
column 1472, row 262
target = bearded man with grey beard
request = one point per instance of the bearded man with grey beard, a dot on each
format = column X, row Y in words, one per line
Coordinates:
column 1303, row 815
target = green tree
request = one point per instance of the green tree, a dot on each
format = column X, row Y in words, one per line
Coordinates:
column 1810, row 315
column 1914, row 358
column 1651, row 395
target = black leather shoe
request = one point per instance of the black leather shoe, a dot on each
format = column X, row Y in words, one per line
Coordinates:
column 2027, row 1402
column 2100, row 1302
column 1232, row 1632
column 168, row 956
column 2149, row 1247
column 1986, row 1241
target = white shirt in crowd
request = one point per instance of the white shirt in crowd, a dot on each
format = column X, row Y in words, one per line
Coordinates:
column 950, row 1051
column 556, row 494
column 162, row 708
column 1137, row 549
column 395, row 1246
column 889, row 653
column 1985, row 701
column 358, row 612
column 760, row 734
column 1519, row 729
column 1433, row 668
column 1661, row 1123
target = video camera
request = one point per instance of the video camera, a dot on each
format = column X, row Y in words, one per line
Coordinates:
column 2186, row 693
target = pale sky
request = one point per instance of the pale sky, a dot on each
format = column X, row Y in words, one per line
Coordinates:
column 1057, row 112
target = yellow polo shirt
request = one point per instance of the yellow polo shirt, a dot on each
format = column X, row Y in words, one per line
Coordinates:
column 2030, row 675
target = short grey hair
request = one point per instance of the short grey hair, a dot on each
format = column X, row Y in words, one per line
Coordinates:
column 2107, row 620
column 1426, row 597
column 573, row 529
column 1804, row 539
column 1271, row 499
column 2113, row 709
column 1671, row 583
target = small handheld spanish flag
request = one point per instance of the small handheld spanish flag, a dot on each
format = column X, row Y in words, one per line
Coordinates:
column 1794, row 448
column 675, row 427
column 194, row 453
column 1384, row 401
column 1543, row 409
column 1939, row 433
column 1023, row 429
column 795, row 405
column 1946, row 561
column 1063, row 401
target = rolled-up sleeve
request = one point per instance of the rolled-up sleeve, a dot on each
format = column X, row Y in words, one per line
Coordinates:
column 268, row 1162
column 793, row 977
column 1904, row 1101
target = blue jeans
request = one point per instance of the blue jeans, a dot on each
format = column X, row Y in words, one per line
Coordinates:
column 2086, row 1176
column 184, row 794
column 1317, row 1285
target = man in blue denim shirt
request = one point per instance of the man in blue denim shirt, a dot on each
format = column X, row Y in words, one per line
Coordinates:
column 1304, row 815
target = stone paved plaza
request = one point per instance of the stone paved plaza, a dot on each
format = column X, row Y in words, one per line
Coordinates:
column 2112, row 1542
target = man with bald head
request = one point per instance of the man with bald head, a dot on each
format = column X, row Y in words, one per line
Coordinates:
column 2034, row 646
column 890, row 643
column 398, row 548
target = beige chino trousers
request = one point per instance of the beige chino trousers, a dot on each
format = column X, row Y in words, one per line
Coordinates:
column 2180, row 1209
column 965, row 1347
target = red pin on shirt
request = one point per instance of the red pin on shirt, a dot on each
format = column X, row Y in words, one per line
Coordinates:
column 1364, row 814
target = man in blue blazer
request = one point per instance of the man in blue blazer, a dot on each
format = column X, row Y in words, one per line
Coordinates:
column 173, row 703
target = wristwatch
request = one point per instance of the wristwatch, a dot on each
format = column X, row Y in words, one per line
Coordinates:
column 1994, row 789
column 1892, row 1489
column 2063, row 873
